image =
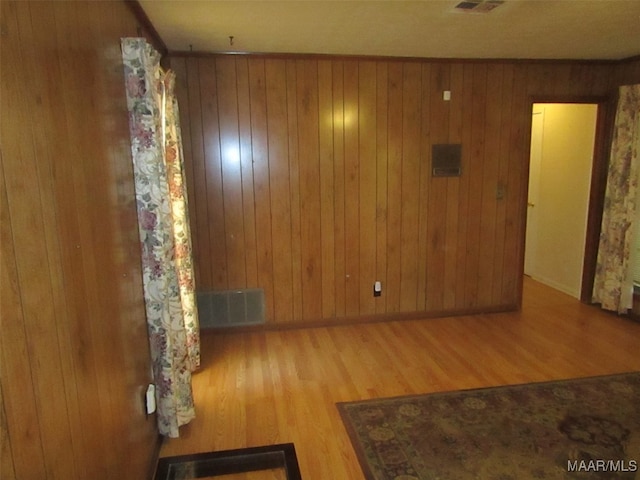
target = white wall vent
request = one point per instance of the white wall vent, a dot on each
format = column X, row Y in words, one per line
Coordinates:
column 231, row 308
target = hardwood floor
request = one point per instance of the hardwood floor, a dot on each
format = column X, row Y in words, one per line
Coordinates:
column 282, row 386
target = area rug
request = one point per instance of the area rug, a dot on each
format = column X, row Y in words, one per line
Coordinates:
column 582, row 428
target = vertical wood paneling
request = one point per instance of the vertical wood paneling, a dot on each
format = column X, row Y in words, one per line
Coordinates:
column 367, row 155
column 490, row 173
column 339, row 189
column 309, row 169
column 246, row 166
column 261, row 181
column 276, row 81
column 502, row 182
column 410, row 190
column 24, row 179
column 627, row 73
column 327, row 189
column 215, row 220
column 73, row 367
column 476, row 160
column 516, row 185
column 382, row 175
column 342, row 185
column 425, row 187
column 453, row 202
column 7, row 469
column 436, row 197
column 394, row 185
column 86, row 179
column 351, row 188
column 294, row 189
column 464, row 207
column 19, row 397
column 231, row 171
column 200, row 208
column 603, row 81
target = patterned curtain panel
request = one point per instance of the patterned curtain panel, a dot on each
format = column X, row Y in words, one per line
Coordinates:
column 613, row 286
column 164, row 232
column 174, row 161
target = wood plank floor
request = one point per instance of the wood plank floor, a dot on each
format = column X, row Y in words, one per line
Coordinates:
column 282, row 386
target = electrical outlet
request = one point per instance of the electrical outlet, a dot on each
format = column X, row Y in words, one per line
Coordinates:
column 150, row 399
column 377, row 289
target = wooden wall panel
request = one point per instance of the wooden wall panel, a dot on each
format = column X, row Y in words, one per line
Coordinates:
column 500, row 246
column 309, row 184
column 340, row 252
column 342, row 185
column 246, row 165
column 454, row 200
column 7, row 469
column 515, row 198
column 382, row 178
column 490, row 175
column 475, row 157
column 231, row 170
column 198, row 196
column 350, row 116
column 261, row 179
column 628, row 72
column 327, row 188
column 294, row 187
column 392, row 284
column 410, row 184
column 464, row 215
column 74, row 356
column 434, row 190
column 276, row 82
column 19, row 397
column 214, row 222
column 367, row 182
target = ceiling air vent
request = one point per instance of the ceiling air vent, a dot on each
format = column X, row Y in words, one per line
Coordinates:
column 478, row 6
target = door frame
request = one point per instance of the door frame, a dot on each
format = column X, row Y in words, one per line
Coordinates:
column 599, row 169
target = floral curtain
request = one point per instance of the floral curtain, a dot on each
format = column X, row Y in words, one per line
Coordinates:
column 613, row 286
column 163, row 225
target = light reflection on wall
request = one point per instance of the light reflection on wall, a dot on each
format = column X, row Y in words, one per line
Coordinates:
column 231, row 155
column 342, row 119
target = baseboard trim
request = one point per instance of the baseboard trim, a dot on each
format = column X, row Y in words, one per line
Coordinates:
column 362, row 319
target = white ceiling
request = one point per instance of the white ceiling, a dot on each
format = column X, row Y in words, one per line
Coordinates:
column 528, row 29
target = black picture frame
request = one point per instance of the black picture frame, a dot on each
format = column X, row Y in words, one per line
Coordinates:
column 211, row 464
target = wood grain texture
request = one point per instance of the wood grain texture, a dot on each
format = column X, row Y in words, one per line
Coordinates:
column 74, row 347
column 282, row 386
column 350, row 115
column 339, row 186
column 628, row 72
column 343, row 192
column 7, row 469
column 392, row 287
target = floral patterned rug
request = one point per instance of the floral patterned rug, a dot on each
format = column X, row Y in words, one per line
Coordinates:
column 584, row 428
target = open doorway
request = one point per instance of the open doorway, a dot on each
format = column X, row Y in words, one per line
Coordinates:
column 563, row 146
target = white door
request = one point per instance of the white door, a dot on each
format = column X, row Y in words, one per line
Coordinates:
column 537, row 122
column 562, row 148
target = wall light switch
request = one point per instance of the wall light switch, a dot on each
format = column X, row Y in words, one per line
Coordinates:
column 446, row 95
